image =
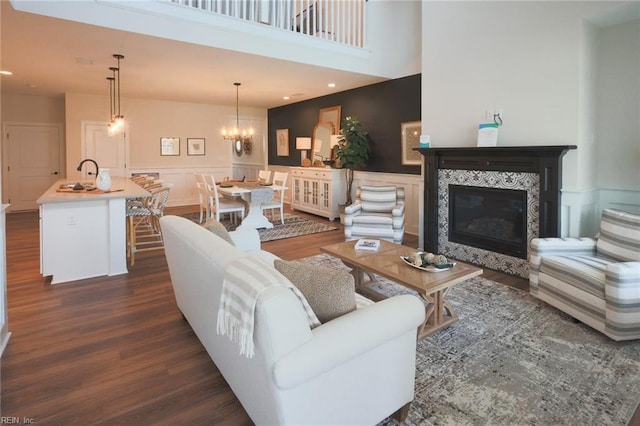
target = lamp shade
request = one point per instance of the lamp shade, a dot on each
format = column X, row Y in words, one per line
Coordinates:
column 303, row 143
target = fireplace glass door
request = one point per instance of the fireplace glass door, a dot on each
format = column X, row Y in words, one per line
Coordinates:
column 489, row 218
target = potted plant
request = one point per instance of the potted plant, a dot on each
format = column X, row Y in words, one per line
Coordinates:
column 353, row 150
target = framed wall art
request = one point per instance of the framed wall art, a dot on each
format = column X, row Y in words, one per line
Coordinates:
column 195, row 146
column 282, row 138
column 169, row 146
column 410, row 136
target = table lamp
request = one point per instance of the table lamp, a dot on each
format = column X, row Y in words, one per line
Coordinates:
column 303, row 144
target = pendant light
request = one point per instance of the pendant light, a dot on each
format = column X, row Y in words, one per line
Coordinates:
column 116, row 123
column 237, row 134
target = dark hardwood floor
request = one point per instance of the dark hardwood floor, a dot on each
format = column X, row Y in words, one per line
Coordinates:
column 115, row 350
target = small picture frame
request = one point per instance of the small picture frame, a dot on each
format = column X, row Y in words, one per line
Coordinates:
column 282, row 146
column 410, row 136
column 195, row 146
column 169, row 146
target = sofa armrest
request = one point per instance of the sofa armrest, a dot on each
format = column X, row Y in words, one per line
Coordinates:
column 398, row 210
column 622, row 281
column 349, row 336
column 559, row 247
column 622, row 294
column 541, row 247
column 349, row 212
column 353, row 208
column 563, row 246
column 246, row 239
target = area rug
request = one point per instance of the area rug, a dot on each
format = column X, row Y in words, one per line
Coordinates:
column 513, row 360
column 294, row 226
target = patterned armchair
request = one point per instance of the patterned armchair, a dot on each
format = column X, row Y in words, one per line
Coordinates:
column 595, row 280
column 378, row 212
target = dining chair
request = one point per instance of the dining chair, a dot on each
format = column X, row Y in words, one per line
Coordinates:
column 264, row 176
column 279, row 179
column 221, row 205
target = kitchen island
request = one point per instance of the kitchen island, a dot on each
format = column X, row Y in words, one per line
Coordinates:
column 83, row 233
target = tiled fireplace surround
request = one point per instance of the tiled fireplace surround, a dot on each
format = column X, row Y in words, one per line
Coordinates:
column 534, row 169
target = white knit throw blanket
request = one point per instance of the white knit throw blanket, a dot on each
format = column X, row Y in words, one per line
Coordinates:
column 244, row 280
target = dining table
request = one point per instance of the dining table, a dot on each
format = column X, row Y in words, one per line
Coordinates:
column 255, row 194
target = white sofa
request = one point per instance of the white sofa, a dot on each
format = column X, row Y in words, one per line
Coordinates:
column 356, row 369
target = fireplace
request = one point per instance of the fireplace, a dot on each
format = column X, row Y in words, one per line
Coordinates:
column 493, row 219
column 532, row 170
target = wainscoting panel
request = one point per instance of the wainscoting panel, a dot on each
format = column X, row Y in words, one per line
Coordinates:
column 184, row 190
column 246, row 170
column 627, row 200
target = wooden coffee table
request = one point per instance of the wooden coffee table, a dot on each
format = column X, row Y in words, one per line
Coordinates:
column 386, row 262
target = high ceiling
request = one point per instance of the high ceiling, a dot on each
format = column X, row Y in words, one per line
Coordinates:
column 50, row 56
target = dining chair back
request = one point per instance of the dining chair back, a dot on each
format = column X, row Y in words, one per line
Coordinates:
column 221, row 205
column 264, row 176
column 279, row 179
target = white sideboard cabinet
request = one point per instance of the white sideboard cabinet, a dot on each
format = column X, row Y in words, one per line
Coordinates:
column 318, row 190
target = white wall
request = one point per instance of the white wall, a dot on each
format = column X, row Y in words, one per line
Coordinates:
column 395, row 52
column 149, row 120
column 618, row 122
column 537, row 61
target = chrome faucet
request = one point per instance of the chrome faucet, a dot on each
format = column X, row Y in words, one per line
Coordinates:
column 84, row 161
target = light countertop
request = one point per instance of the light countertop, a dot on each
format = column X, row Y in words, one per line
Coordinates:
column 127, row 188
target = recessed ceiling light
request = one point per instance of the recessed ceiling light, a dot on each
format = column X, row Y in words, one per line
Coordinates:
column 332, row 85
column 5, row 72
column 286, row 98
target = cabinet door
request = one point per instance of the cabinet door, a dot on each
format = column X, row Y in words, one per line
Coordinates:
column 297, row 191
column 326, row 195
column 315, row 193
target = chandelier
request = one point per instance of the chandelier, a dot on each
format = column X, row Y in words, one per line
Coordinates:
column 116, row 121
column 238, row 134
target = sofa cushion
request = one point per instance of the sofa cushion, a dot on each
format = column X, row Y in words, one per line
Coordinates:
column 378, row 198
column 329, row 291
column 218, row 229
column 619, row 235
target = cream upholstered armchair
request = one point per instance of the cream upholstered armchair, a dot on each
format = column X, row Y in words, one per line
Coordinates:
column 595, row 280
column 378, row 212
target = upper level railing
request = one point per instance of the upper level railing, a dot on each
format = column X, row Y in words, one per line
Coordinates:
column 341, row 21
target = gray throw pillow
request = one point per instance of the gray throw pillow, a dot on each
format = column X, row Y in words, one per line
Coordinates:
column 218, row 229
column 329, row 291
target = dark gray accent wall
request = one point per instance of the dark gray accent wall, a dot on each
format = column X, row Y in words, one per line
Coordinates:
column 381, row 108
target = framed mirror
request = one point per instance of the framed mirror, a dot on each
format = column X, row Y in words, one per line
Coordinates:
column 321, row 143
column 331, row 115
column 237, row 147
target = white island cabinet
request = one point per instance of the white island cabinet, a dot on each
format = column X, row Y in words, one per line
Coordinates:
column 83, row 234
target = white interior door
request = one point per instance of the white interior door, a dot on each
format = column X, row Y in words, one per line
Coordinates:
column 33, row 152
column 109, row 151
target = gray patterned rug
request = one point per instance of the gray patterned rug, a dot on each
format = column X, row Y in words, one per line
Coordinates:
column 294, row 226
column 513, row 360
